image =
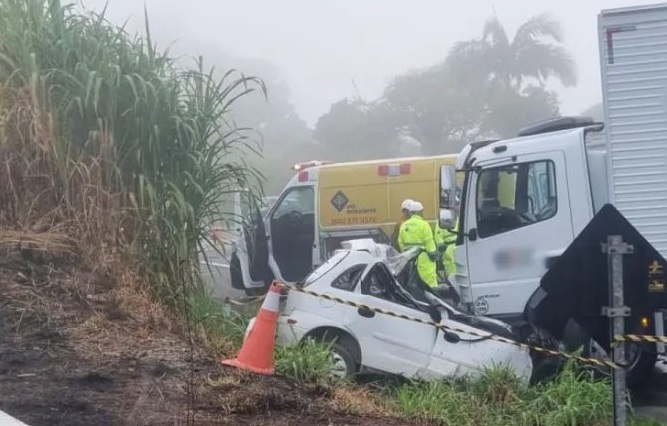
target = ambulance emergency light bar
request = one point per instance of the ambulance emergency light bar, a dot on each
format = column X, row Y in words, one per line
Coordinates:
column 303, row 166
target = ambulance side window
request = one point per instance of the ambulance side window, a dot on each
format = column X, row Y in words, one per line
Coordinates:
column 300, row 200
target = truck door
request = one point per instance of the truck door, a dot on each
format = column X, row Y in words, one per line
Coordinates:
column 518, row 220
column 292, row 234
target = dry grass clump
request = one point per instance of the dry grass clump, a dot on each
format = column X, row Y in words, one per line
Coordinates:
column 355, row 399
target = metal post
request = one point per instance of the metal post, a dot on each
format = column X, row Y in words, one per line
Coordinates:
column 615, row 249
column 659, row 321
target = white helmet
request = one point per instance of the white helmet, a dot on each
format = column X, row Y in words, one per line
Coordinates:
column 416, row 207
column 405, row 205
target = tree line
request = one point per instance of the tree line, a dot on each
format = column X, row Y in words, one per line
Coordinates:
column 486, row 87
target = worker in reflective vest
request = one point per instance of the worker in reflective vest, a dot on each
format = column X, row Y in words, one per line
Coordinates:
column 416, row 232
column 405, row 215
column 445, row 240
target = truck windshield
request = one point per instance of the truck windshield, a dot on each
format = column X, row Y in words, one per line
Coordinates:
column 327, row 266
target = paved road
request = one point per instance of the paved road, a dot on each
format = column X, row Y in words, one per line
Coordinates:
column 218, row 278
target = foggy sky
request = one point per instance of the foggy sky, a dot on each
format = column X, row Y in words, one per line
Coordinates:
column 321, row 46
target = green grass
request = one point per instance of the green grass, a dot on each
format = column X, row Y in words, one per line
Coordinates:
column 309, row 361
column 220, row 322
column 497, row 398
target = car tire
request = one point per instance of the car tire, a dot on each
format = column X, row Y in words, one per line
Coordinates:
column 344, row 364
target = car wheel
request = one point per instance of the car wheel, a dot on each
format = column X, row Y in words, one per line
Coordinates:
column 343, row 363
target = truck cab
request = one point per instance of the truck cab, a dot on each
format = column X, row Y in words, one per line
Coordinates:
column 524, row 201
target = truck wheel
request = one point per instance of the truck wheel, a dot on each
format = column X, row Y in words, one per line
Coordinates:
column 640, row 360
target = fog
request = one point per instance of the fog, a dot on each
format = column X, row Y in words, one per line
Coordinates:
column 323, row 46
column 319, row 52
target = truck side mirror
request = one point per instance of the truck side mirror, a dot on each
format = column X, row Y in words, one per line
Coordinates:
column 446, row 220
column 447, row 186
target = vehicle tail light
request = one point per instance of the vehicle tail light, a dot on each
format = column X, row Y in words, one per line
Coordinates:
column 383, row 170
column 303, row 176
column 405, row 169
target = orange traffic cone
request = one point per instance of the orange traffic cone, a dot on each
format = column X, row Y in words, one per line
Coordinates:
column 256, row 354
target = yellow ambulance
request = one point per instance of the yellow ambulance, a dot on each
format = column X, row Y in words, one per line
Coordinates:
column 326, row 203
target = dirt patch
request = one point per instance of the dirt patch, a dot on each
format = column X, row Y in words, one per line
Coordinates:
column 84, row 346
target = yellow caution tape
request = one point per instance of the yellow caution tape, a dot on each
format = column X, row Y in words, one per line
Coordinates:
column 635, row 338
column 550, row 352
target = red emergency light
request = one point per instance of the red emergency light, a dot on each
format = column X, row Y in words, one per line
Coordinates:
column 394, row 169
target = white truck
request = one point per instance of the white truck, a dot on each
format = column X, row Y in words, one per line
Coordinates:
column 525, row 200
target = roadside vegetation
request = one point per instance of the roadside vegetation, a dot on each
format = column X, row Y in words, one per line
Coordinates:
column 104, row 135
column 497, row 397
column 115, row 159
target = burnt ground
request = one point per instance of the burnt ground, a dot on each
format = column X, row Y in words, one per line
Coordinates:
column 84, row 346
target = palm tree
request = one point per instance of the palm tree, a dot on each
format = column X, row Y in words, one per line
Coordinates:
column 534, row 53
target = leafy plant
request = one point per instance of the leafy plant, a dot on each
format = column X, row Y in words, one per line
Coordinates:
column 309, row 361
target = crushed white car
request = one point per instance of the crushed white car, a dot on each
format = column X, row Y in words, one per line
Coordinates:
column 365, row 273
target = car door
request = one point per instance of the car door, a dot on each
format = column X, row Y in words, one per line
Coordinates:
column 519, row 220
column 387, row 343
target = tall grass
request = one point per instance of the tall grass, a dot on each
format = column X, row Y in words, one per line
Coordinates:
column 498, row 398
column 104, row 132
column 223, row 325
